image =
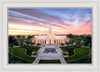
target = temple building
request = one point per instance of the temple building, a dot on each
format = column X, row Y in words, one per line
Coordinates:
column 50, row 38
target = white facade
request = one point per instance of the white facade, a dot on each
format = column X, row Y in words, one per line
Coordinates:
column 50, row 38
column 54, row 40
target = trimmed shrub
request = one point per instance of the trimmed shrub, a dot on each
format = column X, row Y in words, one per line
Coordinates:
column 38, row 44
column 62, row 44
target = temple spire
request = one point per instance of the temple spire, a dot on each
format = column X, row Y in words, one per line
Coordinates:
column 49, row 24
column 49, row 32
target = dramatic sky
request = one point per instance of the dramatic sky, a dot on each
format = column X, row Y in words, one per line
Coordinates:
column 36, row 20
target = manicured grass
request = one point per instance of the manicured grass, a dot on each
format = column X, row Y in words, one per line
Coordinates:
column 14, row 59
column 86, row 60
column 79, row 53
column 20, row 52
column 30, row 49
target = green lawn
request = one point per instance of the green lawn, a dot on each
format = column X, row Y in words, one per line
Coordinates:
column 79, row 52
column 20, row 52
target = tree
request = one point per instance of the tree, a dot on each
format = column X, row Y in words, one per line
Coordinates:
column 12, row 41
column 33, row 43
column 38, row 44
column 72, row 41
column 18, row 36
column 21, row 41
column 62, row 44
column 67, row 43
column 70, row 50
column 88, row 40
column 78, row 40
column 82, row 36
column 29, row 38
column 27, row 42
column 69, row 36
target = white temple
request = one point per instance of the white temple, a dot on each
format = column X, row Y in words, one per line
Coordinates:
column 50, row 38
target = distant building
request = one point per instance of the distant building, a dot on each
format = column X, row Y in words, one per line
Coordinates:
column 50, row 38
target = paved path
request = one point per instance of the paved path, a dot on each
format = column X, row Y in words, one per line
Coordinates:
column 49, row 56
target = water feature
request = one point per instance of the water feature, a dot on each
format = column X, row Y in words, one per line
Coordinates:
column 49, row 50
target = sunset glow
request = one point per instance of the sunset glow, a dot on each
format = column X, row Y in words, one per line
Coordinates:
column 30, row 21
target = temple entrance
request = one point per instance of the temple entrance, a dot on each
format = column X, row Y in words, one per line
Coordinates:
column 50, row 42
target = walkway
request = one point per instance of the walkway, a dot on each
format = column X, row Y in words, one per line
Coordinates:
column 49, row 56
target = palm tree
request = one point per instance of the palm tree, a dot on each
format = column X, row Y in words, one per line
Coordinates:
column 88, row 40
column 18, row 36
column 82, row 36
column 78, row 40
column 67, row 43
column 72, row 41
column 69, row 36
column 29, row 38
column 22, row 39
column 12, row 41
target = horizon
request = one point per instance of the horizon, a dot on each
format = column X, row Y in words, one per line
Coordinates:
column 34, row 21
